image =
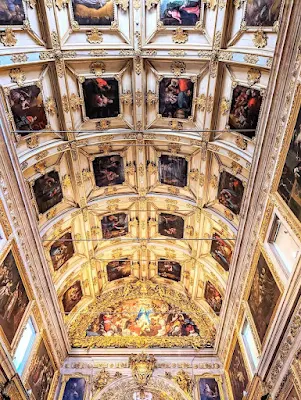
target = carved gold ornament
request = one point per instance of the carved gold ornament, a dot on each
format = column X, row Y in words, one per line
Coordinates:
column 32, row 142
column 126, row 97
column 260, row 39
column 179, row 36
column 178, row 68
column 251, row 58
column 102, row 380
column 200, row 102
column 237, row 4
column 103, row 125
column 224, row 106
column 75, row 101
column 123, row 4
column 8, row 38
column 19, row 58
column 17, row 76
column 142, row 366
column 95, row 36
column 61, row 4
column 176, row 125
column 97, row 68
column 211, row 4
column 138, row 98
column 254, row 76
column 236, row 168
column 151, row 98
column 151, row 3
column 66, row 181
column 177, row 53
column 241, row 142
column 50, row 106
column 184, row 381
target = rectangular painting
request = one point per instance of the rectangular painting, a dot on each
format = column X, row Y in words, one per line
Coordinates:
column 230, row 192
column 48, row 191
column 221, row 251
column 61, row 251
column 169, row 270
column 41, row 373
column 171, row 225
column 245, row 108
column 213, row 297
column 28, row 109
column 238, row 374
column 180, row 12
column 118, row 269
column 101, row 98
column 108, row 170
column 115, row 225
column 72, row 296
column 290, row 182
column 173, row 170
column 74, row 389
column 263, row 297
column 175, row 97
column 262, row 13
column 208, row 389
column 11, row 12
column 93, row 12
column 13, row 297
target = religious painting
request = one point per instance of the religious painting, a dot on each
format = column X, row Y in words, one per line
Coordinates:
column 244, row 111
column 13, row 297
column 72, row 296
column 169, row 270
column 142, row 317
column 221, row 251
column 175, row 97
column 262, row 13
column 118, row 269
column 108, row 170
column 208, row 388
column 238, row 374
column 173, row 170
column 48, row 191
column 171, row 225
column 93, row 12
column 28, row 109
column 290, row 182
column 74, row 389
column 180, row 12
column 263, row 298
column 115, row 225
column 101, row 98
column 11, row 12
column 41, row 373
column 230, row 192
column 213, row 297
column 61, row 251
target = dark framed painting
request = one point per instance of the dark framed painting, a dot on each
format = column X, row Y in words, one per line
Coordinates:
column 290, row 182
column 175, row 97
column 93, row 12
column 115, row 225
column 41, row 373
column 245, row 108
column 118, row 269
column 221, row 251
column 72, row 296
column 208, row 389
column 213, row 297
column 101, row 98
column 108, row 170
column 262, row 13
column 13, row 297
column 11, row 12
column 230, row 192
column 48, row 191
column 173, row 170
column 28, row 109
column 61, row 251
column 74, row 389
column 171, row 225
column 180, row 12
column 263, row 297
column 238, row 374
column 169, row 270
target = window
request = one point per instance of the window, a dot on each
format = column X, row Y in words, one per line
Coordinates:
column 24, row 347
column 250, row 345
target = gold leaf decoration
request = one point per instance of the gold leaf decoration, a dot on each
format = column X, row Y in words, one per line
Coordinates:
column 17, row 76
column 32, row 142
column 50, row 106
column 138, row 98
column 123, row 4
column 211, row 4
column 241, row 142
column 152, row 98
column 126, row 97
column 260, row 39
column 178, row 68
column 95, row 36
column 75, row 101
column 224, row 106
column 19, row 58
column 97, row 68
column 8, row 38
column 251, row 58
column 103, row 125
column 61, row 4
column 236, row 168
column 254, row 76
column 177, row 53
column 200, row 102
column 179, row 36
column 151, row 3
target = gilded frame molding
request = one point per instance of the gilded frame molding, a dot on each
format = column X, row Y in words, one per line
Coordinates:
column 218, row 379
column 64, row 380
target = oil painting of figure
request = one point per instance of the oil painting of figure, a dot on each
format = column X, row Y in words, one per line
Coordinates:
column 108, row 170
column 263, row 297
column 180, row 12
column 13, row 297
column 61, row 251
column 101, row 98
column 93, row 12
column 171, row 225
column 115, row 225
column 262, row 12
column 72, row 296
column 28, row 109
column 238, row 374
column 11, row 12
column 74, row 389
column 245, row 107
column 48, row 191
column 118, row 269
column 169, row 270
column 173, row 170
column 213, row 297
column 209, row 389
column 230, row 192
column 175, row 97
column 221, row 251
column 41, row 373
column 290, row 182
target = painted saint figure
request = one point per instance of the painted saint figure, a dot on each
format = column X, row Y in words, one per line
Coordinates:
column 180, row 12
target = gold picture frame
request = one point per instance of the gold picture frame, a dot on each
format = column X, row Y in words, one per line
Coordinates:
column 218, row 379
column 67, row 377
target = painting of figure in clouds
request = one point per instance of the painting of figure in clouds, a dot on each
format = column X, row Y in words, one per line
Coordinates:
column 169, row 270
column 118, row 269
column 114, row 225
column 221, row 251
column 175, row 97
column 72, row 296
column 262, row 13
column 230, row 192
column 61, row 251
column 108, row 170
column 180, row 12
column 171, row 225
column 11, row 12
column 173, row 170
column 48, row 191
column 93, row 12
